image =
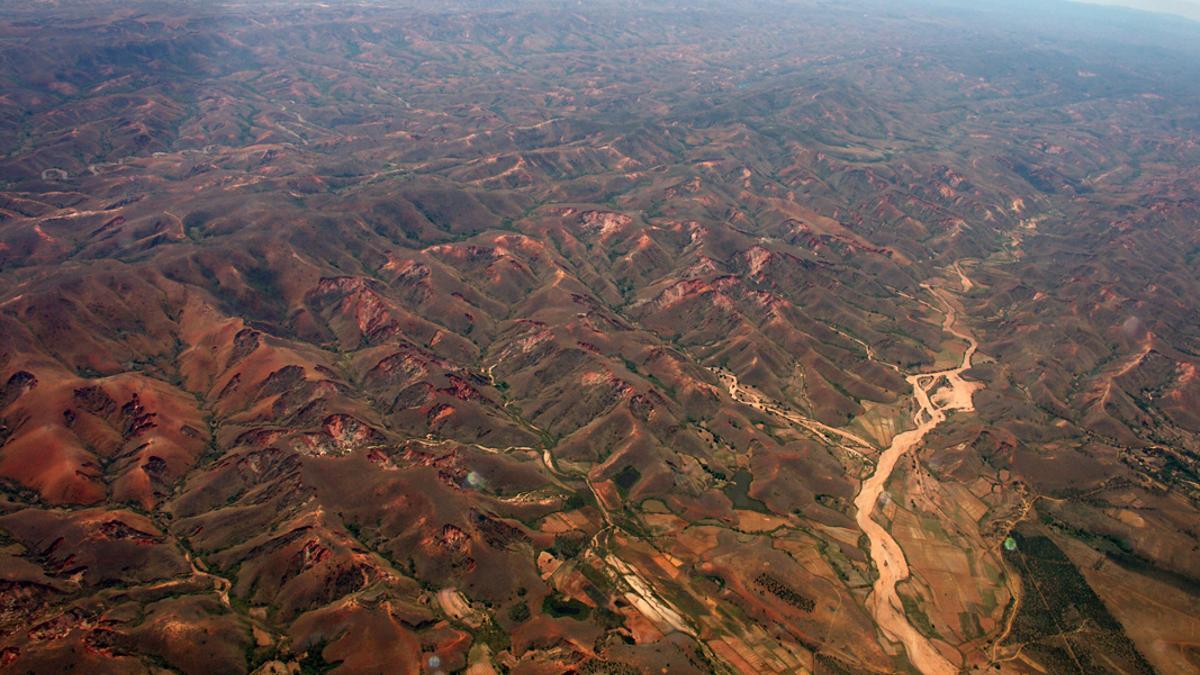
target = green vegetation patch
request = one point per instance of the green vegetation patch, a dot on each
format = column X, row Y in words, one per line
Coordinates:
column 559, row 606
column 313, row 663
column 1062, row 622
column 496, row 638
column 774, row 586
column 738, row 491
column 970, row 626
column 627, row 478
column 916, row 614
column 519, row 613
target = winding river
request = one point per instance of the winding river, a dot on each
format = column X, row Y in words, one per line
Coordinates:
column 884, row 603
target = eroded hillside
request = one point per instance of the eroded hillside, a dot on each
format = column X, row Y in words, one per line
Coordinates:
column 416, row 339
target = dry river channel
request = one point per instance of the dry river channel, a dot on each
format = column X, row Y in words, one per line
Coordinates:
column 953, row 393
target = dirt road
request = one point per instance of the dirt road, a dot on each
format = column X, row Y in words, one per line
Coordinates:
column 220, row 584
column 755, row 399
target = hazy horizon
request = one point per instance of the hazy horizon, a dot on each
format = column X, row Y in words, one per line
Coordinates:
column 1184, row 8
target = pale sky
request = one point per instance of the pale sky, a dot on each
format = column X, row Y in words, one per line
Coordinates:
column 1188, row 8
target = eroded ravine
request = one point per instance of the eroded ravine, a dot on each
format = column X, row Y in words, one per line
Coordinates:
column 884, row 603
column 640, row 591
